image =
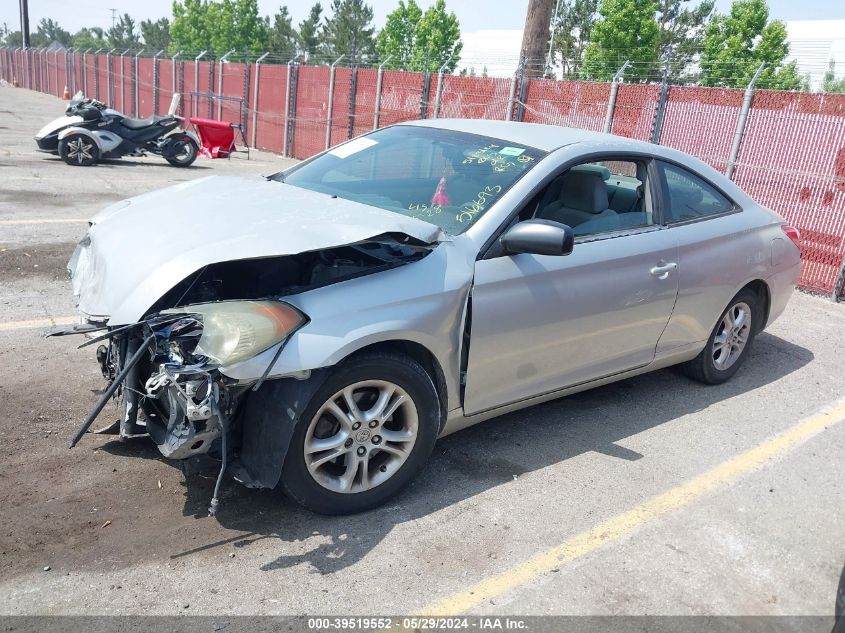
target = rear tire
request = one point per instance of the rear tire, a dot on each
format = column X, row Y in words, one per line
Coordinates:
column 79, row 150
column 379, row 447
column 181, row 150
column 730, row 341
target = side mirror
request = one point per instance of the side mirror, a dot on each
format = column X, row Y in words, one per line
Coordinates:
column 538, row 237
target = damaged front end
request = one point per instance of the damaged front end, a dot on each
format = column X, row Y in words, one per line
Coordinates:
column 167, row 368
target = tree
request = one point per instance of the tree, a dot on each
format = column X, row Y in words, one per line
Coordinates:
column 86, row 38
column 350, row 32
column 281, row 36
column 156, row 34
column 420, row 41
column 189, row 29
column 829, row 82
column 397, row 39
column 737, row 43
column 122, row 35
column 627, row 30
column 438, row 39
column 49, row 32
column 217, row 26
column 680, row 36
column 309, row 31
column 571, row 29
column 11, row 39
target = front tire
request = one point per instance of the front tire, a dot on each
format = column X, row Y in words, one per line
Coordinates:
column 79, row 150
column 366, row 433
column 181, row 150
column 730, row 341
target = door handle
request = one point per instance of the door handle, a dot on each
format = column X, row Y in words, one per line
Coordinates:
column 661, row 271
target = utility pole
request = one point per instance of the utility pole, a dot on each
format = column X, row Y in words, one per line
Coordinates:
column 24, row 23
column 113, row 17
column 535, row 36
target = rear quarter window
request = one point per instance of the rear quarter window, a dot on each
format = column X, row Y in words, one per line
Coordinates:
column 691, row 197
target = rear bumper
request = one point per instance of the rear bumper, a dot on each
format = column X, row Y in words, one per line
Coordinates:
column 781, row 286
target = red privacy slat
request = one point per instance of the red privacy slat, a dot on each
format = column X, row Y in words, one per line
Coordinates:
column 271, row 107
column 701, row 122
column 569, row 103
column 788, row 162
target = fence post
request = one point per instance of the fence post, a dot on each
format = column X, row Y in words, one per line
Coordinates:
column 290, row 108
column 156, row 81
column 660, row 110
column 379, row 78
column 839, row 284
column 740, row 123
column 97, row 73
column 197, row 80
column 523, row 90
column 173, row 70
column 137, row 93
column 85, row 72
column 331, row 103
column 614, row 91
column 109, row 80
column 287, row 108
column 123, row 82
column 220, row 85
column 439, row 96
column 255, row 96
column 512, row 93
column 246, row 103
column 426, row 91
column 353, row 90
column 211, row 90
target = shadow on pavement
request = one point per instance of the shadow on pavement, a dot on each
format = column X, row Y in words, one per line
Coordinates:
column 477, row 459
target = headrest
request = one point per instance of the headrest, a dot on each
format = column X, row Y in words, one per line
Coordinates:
column 601, row 170
column 584, row 191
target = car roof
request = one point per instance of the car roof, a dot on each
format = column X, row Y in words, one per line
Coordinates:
column 538, row 135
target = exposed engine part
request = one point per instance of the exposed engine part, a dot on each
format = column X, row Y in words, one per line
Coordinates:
column 292, row 274
column 117, row 382
column 191, row 403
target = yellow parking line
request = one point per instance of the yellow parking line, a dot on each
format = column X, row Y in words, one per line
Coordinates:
column 36, row 323
column 621, row 525
column 43, row 221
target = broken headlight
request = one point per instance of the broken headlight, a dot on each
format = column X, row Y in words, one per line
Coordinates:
column 233, row 331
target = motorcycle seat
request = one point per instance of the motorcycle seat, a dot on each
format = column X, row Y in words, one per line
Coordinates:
column 137, row 124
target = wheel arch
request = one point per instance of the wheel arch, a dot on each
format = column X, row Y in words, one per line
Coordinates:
column 421, row 354
column 764, row 294
column 83, row 131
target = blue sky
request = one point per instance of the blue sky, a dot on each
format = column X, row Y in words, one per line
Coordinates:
column 473, row 14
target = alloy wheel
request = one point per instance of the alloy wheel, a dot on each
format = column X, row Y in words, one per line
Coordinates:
column 732, row 335
column 360, row 437
column 80, row 150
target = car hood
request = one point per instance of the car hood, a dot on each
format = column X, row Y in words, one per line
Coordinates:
column 138, row 249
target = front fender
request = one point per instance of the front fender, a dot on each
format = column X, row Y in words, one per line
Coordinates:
column 83, row 131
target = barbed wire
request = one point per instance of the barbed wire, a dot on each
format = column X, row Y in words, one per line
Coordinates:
column 726, row 73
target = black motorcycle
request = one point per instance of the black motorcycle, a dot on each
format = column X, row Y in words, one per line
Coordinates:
column 91, row 131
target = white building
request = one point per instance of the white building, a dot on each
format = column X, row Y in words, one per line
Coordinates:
column 812, row 43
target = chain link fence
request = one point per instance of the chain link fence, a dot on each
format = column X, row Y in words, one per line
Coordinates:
column 786, row 149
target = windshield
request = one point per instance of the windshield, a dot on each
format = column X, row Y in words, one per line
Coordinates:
column 77, row 99
column 444, row 177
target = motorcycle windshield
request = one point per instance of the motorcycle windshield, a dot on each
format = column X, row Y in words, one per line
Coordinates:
column 77, row 99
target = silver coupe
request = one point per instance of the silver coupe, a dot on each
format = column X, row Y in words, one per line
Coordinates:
column 320, row 328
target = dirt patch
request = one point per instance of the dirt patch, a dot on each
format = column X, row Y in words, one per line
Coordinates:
column 37, row 260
